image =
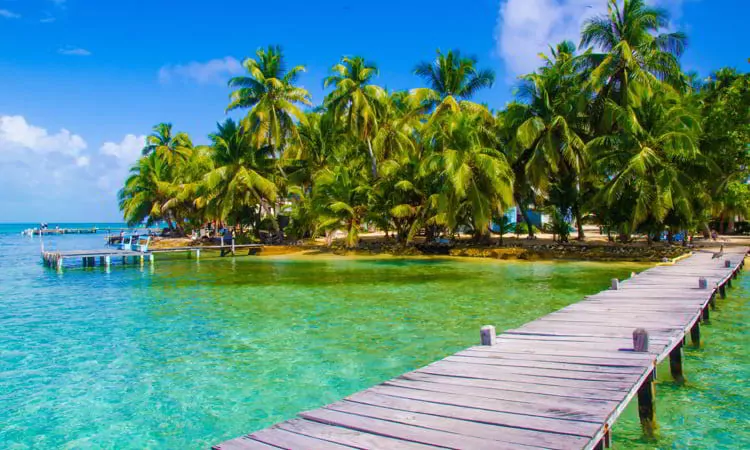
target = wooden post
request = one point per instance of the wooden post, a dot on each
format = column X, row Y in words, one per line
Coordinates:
column 143, row 260
column 232, row 245
column 695, row 334
column 723, row 291
column 712, row 301
column 59, row 262
column 107, row 260
column 702, row 283
column 706, row 314
column 675, row 364
column 640, row 340
column 487, row 335
column 198, row 254
column 615, row 284
column 151, row 258
column 646, row 392
column 85, row 261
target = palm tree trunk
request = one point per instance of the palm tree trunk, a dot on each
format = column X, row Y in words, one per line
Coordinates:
column 373, row 163
column 581, row 235
column 730, row 225
column 524, row 214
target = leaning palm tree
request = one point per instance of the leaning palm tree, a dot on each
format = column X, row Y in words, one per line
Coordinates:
column 634, row 52
column 169, row 147
column 452, row 78
column 268, row 91
column 239, row 182
column 145, row 192
column 355, row 100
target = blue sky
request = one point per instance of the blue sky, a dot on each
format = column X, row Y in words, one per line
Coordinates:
column 82, row 81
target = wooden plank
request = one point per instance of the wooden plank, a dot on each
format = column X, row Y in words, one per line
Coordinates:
column 513, row 391
column 404, row 432
column 551, row 369
column 286, row 439
column 243, row 443
column 559, row 426
column 462, row 426
column 348, row 437
column 496, row 373
column 577, row 360
column 488, row 359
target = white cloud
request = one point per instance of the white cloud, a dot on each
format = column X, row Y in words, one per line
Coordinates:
column 44, row 172
column 526, row 28
column 74, row 51
column 47, row 20
column 215, row 71
column 126, row 151
column 9, row 14
column 15, row 132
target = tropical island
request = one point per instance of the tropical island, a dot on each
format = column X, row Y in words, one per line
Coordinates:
column 611, row 133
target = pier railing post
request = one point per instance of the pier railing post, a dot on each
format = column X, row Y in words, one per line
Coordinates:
column 702, row 283
column 695, row 334
column 675, row 364
column 615, row 284
column 487, row 335
column 646, row 392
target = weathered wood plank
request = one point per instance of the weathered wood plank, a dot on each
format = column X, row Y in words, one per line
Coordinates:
column 510, row 391
column 462, row 426
column 477, row 414
column 497, row 373
column 286, row 439
column 402, row 431
column 243, row 443
column 348, row 437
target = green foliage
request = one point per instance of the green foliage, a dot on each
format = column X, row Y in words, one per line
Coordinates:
column 615, row 132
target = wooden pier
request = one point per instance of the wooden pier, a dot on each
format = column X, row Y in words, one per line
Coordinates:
column 108, row 257
column 558, row 382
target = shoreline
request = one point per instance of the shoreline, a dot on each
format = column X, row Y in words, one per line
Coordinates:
column 529, row 251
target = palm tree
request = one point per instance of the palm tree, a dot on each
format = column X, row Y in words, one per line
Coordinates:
column 635, row 54
column 645, row 163
column 268, row 91
column 239, row 183
column 145, row 192
column 342, row 192
column 355, row 101
column 551, row 125
column 321, row 136
column 477, row 179
column 452, row 78
column 168, row 147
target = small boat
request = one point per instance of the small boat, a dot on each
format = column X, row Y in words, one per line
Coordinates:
column 134, row 242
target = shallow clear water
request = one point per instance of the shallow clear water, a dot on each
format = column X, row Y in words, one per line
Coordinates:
column 191, row 353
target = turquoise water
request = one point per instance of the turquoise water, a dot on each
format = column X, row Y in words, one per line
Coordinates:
column 186, row 354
